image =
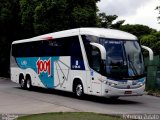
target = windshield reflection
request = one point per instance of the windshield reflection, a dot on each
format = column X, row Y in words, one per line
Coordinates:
column 124, row 58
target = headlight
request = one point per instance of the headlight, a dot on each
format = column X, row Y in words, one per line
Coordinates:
column 113, row 84
column 110, row 83
column 141, row 83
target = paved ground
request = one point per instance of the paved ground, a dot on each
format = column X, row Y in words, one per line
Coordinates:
column 15, row 100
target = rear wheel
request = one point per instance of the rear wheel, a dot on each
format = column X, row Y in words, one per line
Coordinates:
column 28, row 83
column 22, row 83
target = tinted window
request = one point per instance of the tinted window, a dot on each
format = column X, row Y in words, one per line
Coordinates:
column 68, row 46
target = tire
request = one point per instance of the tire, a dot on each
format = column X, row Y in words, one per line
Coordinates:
column 22, row 83
column 28, row 84
column 79, row 90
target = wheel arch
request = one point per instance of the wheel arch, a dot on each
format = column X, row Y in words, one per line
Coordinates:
column 28, row 76
column 75, row 81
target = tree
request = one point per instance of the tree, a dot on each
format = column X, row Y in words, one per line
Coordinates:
column 107, row 21
column 39, row 17
column 82, row 13
column 152, row 41
column 26, row 15
column 10, row 30
column 137, row 30
column 49, row 16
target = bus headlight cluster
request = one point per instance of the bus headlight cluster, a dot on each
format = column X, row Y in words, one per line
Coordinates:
column 110, row 83
column 113, row 84
column 141, row 83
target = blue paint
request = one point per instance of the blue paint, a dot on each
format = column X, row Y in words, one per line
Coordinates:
column 92, row 72
column 48, row 81
column 141, row 80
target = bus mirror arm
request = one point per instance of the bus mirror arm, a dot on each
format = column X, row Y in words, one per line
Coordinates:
column 150, row 52
column 102, row 50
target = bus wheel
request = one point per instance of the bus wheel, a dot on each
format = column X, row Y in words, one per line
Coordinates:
column 79, row 90
column 28, row 83
column 22, row 83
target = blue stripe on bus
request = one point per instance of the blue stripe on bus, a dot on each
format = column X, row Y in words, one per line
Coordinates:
column 40, row 65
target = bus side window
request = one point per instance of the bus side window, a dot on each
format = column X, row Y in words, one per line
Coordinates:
column 74, row 48
column 14, row 50
column 17, row 50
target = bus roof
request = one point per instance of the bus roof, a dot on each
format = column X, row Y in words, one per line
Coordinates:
column 99, row 32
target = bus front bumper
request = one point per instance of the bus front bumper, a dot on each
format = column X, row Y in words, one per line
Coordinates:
column 111, row 91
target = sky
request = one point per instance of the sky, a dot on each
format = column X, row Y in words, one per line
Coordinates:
column 132, row 11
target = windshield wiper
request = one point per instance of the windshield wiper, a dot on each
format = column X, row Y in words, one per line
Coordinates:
column 132, row 67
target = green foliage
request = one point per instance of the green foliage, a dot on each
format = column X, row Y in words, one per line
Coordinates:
column 107, row 21
column 49, row 16
column 10, row 29
column 81, row 13
column 152, row 41
column 149, row 40
column 39, row 17
column 69, row 116
column 137, row 30
column 26, row 15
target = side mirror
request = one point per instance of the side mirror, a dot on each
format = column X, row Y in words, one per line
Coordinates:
column 150, row 52
column 102, row 50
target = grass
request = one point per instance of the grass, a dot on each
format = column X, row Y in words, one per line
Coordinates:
column 69, row 116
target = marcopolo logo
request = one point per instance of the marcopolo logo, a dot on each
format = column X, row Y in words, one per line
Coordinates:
column 43, row 66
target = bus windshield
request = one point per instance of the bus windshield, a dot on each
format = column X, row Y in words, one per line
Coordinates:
column 124, row 59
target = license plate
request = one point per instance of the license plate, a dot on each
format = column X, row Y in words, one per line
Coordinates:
column 128, row 92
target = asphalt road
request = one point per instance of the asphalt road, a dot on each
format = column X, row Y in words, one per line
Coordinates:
column 19, row 101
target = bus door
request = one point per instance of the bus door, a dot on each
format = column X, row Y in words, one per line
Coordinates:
column 95, row 82
column 95, row 76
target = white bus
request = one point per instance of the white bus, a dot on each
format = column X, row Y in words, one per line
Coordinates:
column 93, row 61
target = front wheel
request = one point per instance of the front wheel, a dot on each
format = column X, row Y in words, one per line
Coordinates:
column 79, row 90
